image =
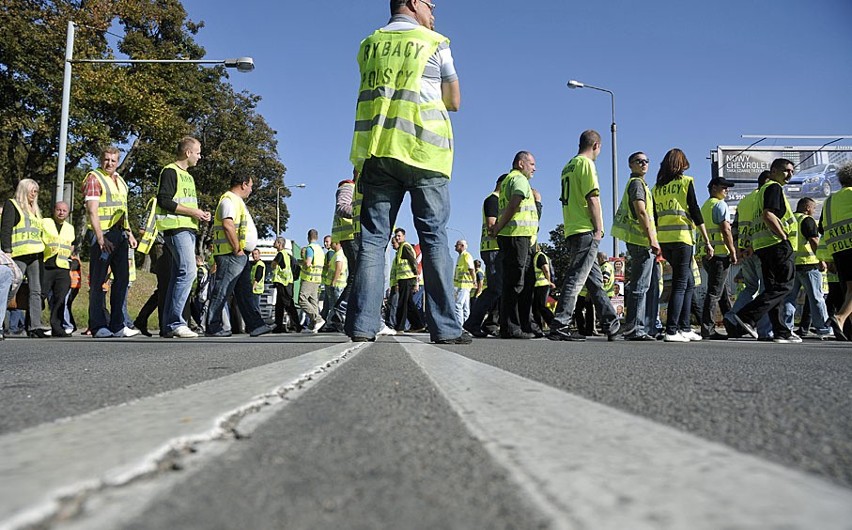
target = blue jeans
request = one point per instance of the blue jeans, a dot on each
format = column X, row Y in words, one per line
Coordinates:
column 462, row 296
column 384, row 182
column 181, row 247
column 583, row 269
column 233, row 275
column 679, row 256
column 642, row 262
column 5, row 286
column 753, row 280
column 812, row 282
column 99, row 267
column 653, row 326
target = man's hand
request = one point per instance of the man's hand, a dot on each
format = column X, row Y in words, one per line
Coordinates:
column 598, row 235
column 200, row 215
column 105, row 244
column 131, row 240
column 655, row 247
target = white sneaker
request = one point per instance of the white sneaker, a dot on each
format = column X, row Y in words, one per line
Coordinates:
column 126, row 332
column 691, row 335
column 675, row 337
column 102, row 333
column 386, row 331
column 183, row 332
column 318, row 325
column 792, row 339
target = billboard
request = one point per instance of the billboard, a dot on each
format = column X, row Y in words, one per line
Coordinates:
column 815, row 176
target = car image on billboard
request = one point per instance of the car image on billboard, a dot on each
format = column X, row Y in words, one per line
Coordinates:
column 818, row 181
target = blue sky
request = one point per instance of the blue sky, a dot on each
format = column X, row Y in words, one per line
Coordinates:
column 692, row 75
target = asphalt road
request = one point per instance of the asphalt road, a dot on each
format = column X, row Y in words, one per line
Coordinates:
column 297, row 431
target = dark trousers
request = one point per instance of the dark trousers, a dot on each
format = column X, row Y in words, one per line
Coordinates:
column 541, row 313
column 284, row 302
column 514, row 252
column 679, row 256
column 717, row 292
column 56, row 283
column 407, row 310
column 777, row 265
column 163, row 271
column 488, row 299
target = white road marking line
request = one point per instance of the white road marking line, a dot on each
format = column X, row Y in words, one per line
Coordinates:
column 110, row 446
column 588, row 465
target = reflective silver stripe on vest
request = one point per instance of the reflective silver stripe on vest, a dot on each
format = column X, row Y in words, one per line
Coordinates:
column 674, row 228
column 406, row 126
column 389, row 93
column 679, row 213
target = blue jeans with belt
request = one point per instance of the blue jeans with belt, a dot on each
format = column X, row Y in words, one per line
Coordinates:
column 384, row 183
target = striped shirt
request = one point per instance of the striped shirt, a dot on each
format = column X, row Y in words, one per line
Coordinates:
column 439, row 69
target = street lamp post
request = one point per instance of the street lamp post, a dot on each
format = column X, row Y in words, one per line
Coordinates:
column 576, row 84
column 242, row 64
column 278, row 206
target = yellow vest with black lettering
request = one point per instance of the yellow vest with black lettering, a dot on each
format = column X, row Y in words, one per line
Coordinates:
column 540, row 278
column 185, row 196
column 221, row 245
column 404, row 271
column 486, row 242
column 745, row 219
column 713, row 230
column 283, row 274
column 257, row 287
column 673, row 222
column 57, row 242
column 837, row 221
column 149, row 234
column 341, row 227
column 626, row 225
column 805, row 255
column 26, row 235
column 390, row 118
column 313, row 273
column 461, row 278
column 524, row 223
column 340, row 283
column 112, row 203
column 762, row 236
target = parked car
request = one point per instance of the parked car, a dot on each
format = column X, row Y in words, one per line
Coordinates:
column 817, row 182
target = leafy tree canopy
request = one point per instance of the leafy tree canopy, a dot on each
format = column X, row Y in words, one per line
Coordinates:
column 143, row 108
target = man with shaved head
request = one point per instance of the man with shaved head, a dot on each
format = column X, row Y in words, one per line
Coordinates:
column 58, row 237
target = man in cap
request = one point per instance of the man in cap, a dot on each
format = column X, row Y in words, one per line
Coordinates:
column 715, row 212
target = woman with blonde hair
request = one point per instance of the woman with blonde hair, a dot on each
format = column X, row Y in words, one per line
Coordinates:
column 677, row 214
column 20, row 238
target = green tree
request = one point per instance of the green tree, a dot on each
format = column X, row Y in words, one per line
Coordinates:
column 557, row 251
column 143, row 108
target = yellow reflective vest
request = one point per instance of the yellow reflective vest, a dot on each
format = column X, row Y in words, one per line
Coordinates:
column 486, row 242
column 258, row 286
column 404, row 271
column 805, row 255
column 762, row 236
column 314, row 272
column 540, row 278
column 26, row 235
column 57, row 242
column 112, row 203
column 390, row 118
column 461, row 278
column 626, row 225
column 221, row 245
column 341, row 227
column 524, row 223
column 673, row 222
column 185, row 195
column 714, row 231
column 283, row 274
column 837, row 221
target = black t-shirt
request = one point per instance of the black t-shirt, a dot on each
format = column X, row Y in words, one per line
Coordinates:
column 541, row 261
column 809, row 228
column 491, row 206
column 773, row 201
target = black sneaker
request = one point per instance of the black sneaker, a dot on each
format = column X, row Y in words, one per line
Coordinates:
column 464, row 338
column 565, row 333
column 644, row 338
column 746, row 326
column 363, row 339
column 614, row 330
column 478, row 333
